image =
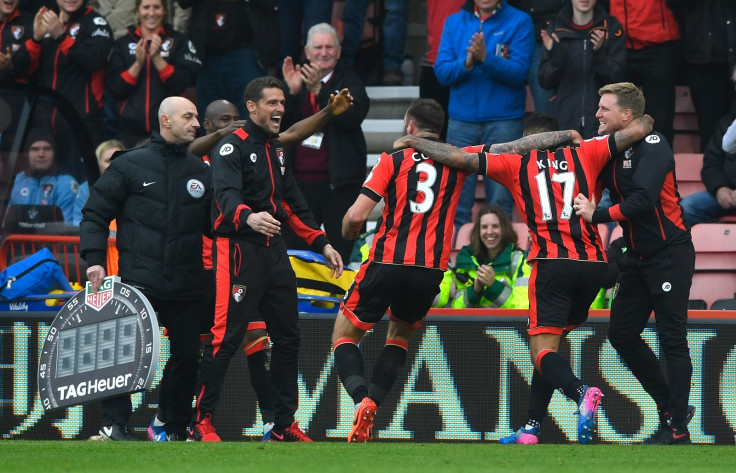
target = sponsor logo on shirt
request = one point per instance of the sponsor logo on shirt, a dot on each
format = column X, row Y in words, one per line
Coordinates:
column 195, row 188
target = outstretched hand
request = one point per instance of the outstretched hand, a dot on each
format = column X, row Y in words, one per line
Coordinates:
column 407, row 141
column 575, row 137
column 584, row 208
column 333, row 260
column 340, row 102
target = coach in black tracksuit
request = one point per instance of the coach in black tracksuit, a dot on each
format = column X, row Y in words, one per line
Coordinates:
column 656, row 269
column 256, row 194
column 161, row 196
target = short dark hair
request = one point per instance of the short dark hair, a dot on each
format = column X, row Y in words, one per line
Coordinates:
column 427, row 114
column 539, row 122
column 254, row 90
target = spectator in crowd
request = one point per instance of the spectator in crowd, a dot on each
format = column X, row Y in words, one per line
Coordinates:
column 429, row 86
column 653, row 54
column 542, row 13
column 655, row 273
column 148, row 64
column 42, row 183
column 223, row 34
column 118, row 13
column 16, row 27
column 256, row 195
column 394, row 24
column 484, row 58
column 221, row 119
column 568, row 264
column 718, row 174
column 708, row 29
column 139, row 189
column 296, row 17
column 329, row 166
column 491, row 271
column 584, row 50
column 103, row 153
column 69, row 52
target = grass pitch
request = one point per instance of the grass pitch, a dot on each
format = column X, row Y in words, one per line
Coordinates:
column 21, row 456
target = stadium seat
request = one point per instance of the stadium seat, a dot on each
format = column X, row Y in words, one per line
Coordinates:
column 522, row 233
column 723, row 304
column 463, row 236
column 697, row 304
column 715, row 261
column 685, row 123
column 687, row 171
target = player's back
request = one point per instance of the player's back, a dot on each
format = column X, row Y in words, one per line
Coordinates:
column 544, row 184
column 421, row 198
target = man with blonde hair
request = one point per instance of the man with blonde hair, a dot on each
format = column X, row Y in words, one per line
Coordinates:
column 657, row 268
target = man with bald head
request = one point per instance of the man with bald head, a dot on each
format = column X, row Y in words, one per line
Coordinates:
column 160, row 195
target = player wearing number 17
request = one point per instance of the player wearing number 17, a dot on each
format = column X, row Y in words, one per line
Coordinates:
column 567, row 258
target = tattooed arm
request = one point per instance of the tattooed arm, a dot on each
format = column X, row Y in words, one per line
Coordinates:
column 634, row 131
column 547, row 140
column 452, row 156
column 441, row 152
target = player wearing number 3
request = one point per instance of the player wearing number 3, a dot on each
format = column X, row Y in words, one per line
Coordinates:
column 567, row 258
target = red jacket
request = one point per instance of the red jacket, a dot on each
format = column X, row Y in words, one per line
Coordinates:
column 645, row 22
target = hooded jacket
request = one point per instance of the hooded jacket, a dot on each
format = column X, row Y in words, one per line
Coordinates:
column 576, row 71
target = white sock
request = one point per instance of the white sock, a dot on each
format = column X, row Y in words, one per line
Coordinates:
column 156, row 422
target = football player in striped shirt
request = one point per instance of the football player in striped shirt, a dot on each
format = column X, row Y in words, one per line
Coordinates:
column 567, row 257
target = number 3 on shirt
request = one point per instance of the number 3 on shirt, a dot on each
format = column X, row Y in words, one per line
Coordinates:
column 424, row 187
column 567, row 180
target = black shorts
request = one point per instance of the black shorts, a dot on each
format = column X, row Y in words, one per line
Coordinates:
column 560, row 293
column 408, row 291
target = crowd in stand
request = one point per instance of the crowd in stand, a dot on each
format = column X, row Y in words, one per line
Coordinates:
column 115, row 61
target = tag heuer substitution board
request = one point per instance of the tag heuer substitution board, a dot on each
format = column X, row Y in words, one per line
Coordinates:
column 100, row 345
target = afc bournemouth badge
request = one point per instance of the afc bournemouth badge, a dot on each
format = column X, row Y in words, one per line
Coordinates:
column 282, row 161
column 238, row 292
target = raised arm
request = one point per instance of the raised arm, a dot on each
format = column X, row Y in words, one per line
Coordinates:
column 546, row 140
column 339, row 103
column 441, row 152
column 634, row 131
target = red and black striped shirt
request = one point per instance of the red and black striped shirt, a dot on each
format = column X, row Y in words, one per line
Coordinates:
column 420, row 198
column 544, row 184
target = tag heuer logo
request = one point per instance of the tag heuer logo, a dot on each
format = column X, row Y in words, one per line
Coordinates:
column 238, row 292
column 97, row 300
